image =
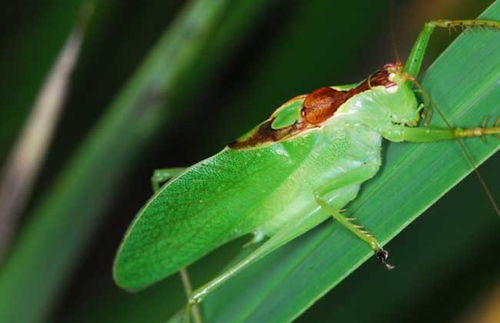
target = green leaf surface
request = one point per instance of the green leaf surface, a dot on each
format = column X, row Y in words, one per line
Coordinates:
column 448, row 253
column 463, row 82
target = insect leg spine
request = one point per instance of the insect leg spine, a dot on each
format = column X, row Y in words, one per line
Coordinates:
column 359, row 227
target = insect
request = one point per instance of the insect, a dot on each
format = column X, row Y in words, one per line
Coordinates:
column 298, row 168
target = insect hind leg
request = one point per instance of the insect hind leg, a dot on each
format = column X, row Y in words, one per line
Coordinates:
column 191, row 309
column 358, row 230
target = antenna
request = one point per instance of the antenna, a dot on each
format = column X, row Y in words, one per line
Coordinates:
column 463, row 147
column 471, row 161
column 393, row 33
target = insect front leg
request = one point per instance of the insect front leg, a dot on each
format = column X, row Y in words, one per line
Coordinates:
column 358, row 230
column 160, row 176
column 414, row 61
column 425, row 134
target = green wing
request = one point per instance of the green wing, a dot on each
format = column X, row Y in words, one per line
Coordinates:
column 211, row 203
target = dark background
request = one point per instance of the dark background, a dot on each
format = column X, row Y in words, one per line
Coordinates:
column 288, row 48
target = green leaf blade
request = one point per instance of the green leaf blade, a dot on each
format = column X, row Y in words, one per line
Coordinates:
column 463, row 82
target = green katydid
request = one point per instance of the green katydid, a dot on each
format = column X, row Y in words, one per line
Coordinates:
column 301, row 166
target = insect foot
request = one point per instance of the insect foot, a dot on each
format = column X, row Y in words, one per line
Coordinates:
column 382, row 255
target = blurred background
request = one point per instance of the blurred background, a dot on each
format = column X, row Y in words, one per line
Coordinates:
column 233, row 64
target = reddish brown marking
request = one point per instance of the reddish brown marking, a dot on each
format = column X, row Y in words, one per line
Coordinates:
column 318, row 106
column 265, row 133
column 379, row 78
column 322, row 104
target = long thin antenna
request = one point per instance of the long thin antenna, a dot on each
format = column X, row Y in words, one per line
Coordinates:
column 465, row 150
column 471, row 160
column 393, row 33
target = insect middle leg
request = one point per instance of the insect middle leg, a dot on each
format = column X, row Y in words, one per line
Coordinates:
column 358, row 230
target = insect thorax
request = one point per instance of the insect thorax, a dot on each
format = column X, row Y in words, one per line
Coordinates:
column 383, row 97
column 334, row 162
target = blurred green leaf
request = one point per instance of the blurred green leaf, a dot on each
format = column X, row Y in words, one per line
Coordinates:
column 61, row 225
column 29, row 50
